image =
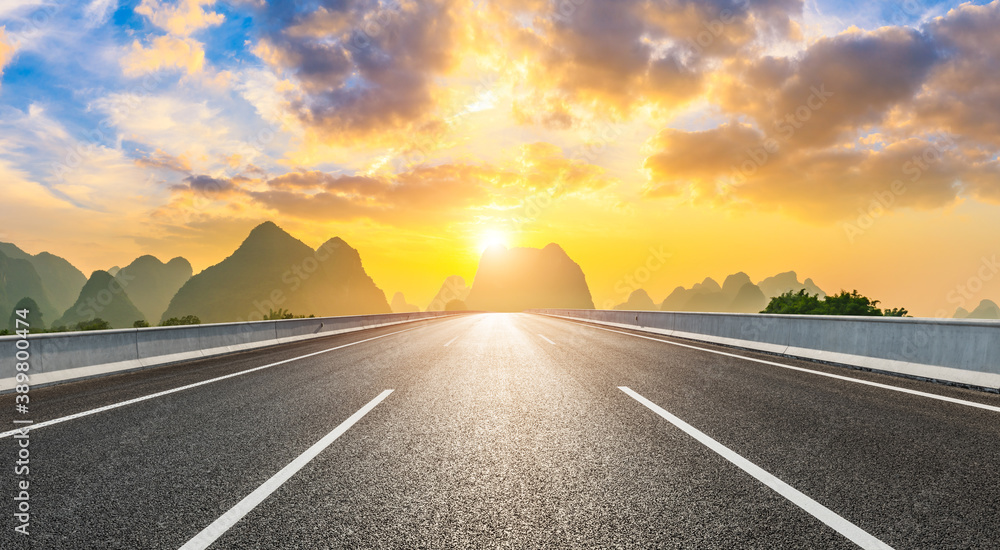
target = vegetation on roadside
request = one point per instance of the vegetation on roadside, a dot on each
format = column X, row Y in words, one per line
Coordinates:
column 179, row 321
column 844, row 303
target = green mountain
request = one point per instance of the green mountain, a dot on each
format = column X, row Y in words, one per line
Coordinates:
column 18, row 280
column 102, row 297
column 33, row 318
column 151, row 283
column 272, row 270
column 62, row 281
column 527, row 278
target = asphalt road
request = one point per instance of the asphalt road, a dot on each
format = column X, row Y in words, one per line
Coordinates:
column 506, row 431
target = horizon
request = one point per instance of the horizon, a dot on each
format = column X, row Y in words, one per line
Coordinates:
column 848, row 143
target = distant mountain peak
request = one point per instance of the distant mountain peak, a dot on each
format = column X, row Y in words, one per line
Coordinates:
column 528, row 278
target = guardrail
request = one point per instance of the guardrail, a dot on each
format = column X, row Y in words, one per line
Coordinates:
column 957, row 351
column 65, row 356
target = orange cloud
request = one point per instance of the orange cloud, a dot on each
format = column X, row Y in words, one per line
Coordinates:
column 165, row 52
column 836, row 88
column 611, row 58
column 181, row 18
column 6, row 50
column 422, row 195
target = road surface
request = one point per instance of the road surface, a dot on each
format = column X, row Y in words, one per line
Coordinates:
column 506, row 431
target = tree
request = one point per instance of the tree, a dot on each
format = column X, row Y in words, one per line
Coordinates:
column 455, row 305
column 282, row 313
column 141, row 323
column 844, row 303
column 34, row 316
column 795, row 303
column 96, row 324
column 178, row 321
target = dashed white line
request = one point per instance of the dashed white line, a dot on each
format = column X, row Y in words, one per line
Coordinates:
column 450, row 341
column 547, row 340
column 810, row 371
column 189, row 386
column 854, row 533
column 209, row 534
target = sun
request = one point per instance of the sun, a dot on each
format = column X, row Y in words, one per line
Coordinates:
column 492, row 238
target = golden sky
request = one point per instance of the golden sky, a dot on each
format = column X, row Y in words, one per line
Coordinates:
column 657, row 141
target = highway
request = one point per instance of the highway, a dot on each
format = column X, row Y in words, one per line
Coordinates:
column 507, row 431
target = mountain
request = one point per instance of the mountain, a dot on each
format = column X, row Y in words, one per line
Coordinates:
column 524, row 278
column 734, row 283
column 18, row 280
column 638, row 300
column 60, row 279
column 785, row 282
column 272, row 270
column 961, row 313
column 749, row 299
column 737, row 294
column 453, row 288
column 704, row 296
column 33, row 318
column 987, row 309
column 399, row 304
column 102, row 297
column 151, row 283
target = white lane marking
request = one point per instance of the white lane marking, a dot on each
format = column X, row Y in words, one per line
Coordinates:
column 189, row 386
column 547, row 340
column 218, row 527
column 810, row 371
column 856, row 534
column 450, row 341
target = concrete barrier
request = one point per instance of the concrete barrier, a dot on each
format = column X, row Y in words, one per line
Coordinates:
column 61, row 357
column 958, row 351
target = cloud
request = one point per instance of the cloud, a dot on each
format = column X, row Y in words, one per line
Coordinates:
column 732, row 165
column 420, row 196
column 364, row 70
column 164, row 52
column 7, row 49
column 181, row 18
column 822, row 133
column 961, row 92
column 859, row 76
column 164, row 161
column 611, row 58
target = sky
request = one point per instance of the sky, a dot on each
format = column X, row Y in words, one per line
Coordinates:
column 657, row 141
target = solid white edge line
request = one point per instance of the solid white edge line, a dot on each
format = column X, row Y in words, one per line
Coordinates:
column 810, row 371
column 218, row 527
column 547, row 340
column 854, row 533
column 450, row 341
column 187, row 387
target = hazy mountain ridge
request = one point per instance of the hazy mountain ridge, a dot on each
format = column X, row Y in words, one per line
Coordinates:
column 272, row 270
column 737, row 294
column 517, row 279
column 400, row 305
column 453, row 288
column 60, row 279
column 987, row 309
